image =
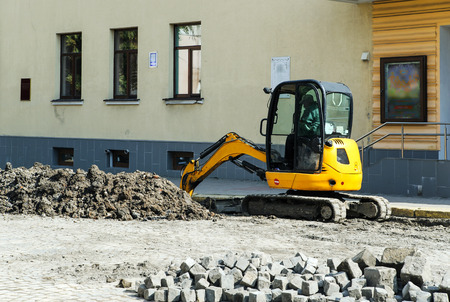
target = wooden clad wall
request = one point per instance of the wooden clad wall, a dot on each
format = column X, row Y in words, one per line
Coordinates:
column 407, row 28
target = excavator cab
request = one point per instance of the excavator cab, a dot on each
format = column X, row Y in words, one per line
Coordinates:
column 305, row 117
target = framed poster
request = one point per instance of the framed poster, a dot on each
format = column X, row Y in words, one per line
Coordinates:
column 403, row 89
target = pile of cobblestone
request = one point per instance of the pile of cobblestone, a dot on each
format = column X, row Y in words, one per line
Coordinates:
column 94, row 194
column 402, row 275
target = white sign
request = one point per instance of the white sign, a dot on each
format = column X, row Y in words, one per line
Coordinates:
column 280, row 70
column 153, row 59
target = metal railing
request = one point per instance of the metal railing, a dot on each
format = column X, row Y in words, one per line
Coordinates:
column 403, row 134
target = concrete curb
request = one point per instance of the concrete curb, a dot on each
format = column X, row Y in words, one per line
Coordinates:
column 420, row 213
column 410, row 211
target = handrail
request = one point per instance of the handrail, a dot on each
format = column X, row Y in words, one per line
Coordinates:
column 403, row 134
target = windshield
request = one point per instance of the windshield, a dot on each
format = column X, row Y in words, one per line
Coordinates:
column 338, row 115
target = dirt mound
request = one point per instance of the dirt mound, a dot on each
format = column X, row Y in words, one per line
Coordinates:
column 94, row 194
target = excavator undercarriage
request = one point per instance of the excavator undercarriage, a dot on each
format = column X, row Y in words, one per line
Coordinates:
column 327, row 207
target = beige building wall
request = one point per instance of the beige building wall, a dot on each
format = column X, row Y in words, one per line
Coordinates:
column 324, row 40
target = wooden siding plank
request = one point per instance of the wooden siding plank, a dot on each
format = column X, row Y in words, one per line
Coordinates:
column 405, row 28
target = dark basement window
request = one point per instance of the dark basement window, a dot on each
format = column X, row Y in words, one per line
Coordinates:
column 177, row 160
column 119, row 158
column 64, row 156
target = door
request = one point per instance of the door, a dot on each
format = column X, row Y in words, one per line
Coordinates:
column 295, row 128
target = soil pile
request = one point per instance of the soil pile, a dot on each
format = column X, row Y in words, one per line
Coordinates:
column 94, row 194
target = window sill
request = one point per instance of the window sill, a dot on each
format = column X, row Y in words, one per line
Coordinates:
column 183, row 101
column 69, row 102
column 122, row 101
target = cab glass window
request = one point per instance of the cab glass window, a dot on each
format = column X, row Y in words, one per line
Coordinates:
column 338, row 114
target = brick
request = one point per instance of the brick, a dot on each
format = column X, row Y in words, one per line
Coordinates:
column 380, row 294
column 188, row 295
column 140, row 290
column 423, row 296
column 242, row 264
column 334, row 297
column 280, row 282
column 410, row 289
column 237, row 275
column 262, row 274
column 160, row 295
column 167, row 281
column 230, row 259
column 299, row 267
column 309, row 269
column 323, row 269
column 265, row 259
column 300, row 298
column 256, row 297
column 319, row 278
column 184, row 276
column 149, row 294
column 288, row 295
column 202, row 284
column 268, row 293
column 295, row 282
column 307, row 277
column 255, row 262
column 287, row 263
column 197, row 269
column 153, row 281
column 330, row 288
column 227, row 281
column 395, row 257
column 333, row 263
column 276, row 294
column 200, row 295
column 241, row 296
column 187, row 264
column 310, row 288
column 312, row 261
column 440, row 297
column 200, row 276
column 250, row 277
column 213, row 294
column 186, row 283
column 355, row 292
column 263, row 283
column 230, row 293
column 342, row 280
column 365, row 259
column 381, row 275
column 173, row 294
column 416, row 269
column 322, row 298
column 209, row 262
column 368, row 292
column 297, row 260
column 214, row 275
column 351, row 268
column 359, row 282
column 275, row 268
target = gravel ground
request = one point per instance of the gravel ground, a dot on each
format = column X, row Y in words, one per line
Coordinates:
column 105, row 250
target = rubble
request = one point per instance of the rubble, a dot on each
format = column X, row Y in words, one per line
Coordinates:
column 94, row 194
column 277, row 281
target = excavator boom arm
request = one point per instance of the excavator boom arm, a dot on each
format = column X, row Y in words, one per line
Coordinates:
column 229, row 148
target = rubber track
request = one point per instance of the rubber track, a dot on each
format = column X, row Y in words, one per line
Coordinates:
column 338, row 207
column 383, row 205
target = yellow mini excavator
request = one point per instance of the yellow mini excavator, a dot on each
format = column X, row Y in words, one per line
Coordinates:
column 308, row 152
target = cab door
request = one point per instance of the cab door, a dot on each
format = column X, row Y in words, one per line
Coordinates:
column 294, row 140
